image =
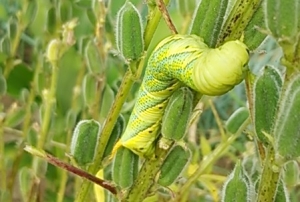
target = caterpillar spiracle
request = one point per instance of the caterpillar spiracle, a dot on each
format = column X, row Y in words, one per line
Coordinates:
column 176, row 61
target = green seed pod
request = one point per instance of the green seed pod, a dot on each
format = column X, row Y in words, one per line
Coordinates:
column 54, row 50
column 51, row 21
column 84, row 141
column 71, row 118
column 237, row 120
column 282, row 194
column 177, row 114
column 267, row 89
column 115, row 135
column 186, row 8
column 30, row 13
column 15, row 117
column 32, row 136
column 12, row 29
column 3, row 86
column 108, row 98
column 208, row 20
column 89, row 89
column 125, row 168
column 27, row 179
column 251, row 165
column 282, row 17
column 291, row 173
column 237, row 20
column 65, row 10
column 93, row 59
column 237, row 187
column 129, row 35
column 254, row 37
column 170, row 171
column 5, row 45
column 286, row 130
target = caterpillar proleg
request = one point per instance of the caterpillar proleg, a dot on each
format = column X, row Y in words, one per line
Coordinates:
column 180, row 60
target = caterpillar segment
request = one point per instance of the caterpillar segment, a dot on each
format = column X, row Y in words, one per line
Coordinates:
column 180, row 60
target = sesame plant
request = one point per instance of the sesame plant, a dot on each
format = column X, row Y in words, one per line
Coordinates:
column 157, row 100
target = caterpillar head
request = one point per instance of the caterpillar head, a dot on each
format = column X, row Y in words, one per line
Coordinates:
column 219, row 70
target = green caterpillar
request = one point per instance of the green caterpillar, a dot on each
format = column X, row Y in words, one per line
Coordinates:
column 176, row 61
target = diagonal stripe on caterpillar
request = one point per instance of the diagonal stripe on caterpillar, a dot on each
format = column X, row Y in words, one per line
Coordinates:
column 176, row 61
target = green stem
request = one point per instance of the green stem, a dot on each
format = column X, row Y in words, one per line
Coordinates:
column 152, row 22
column 146, row 177
column 206, row 164
column 49, row 102
column 100, row 11
column 2, row 160
column 269, row 178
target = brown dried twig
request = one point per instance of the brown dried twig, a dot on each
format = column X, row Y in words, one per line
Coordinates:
column 165, row 14
column 77, row 171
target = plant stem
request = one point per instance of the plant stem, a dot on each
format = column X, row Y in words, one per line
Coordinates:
column 218, row 120
column 269, row 178
column 166, row 16
column 100, row 11
column 152, row 22
column 2, row 160
column 77, row 171
column 146, row 177
column 49, row 102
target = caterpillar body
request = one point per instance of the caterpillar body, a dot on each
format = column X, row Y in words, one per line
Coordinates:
column 176, row 61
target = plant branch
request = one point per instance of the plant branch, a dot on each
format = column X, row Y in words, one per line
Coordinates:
column 152, row 22
column 269, row 178
column 55, row 161
column 165, row 14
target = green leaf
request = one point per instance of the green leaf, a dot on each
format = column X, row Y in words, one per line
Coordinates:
column 287, row 127
column 108, row 97
column 51, row 21
column 3, row 86
column 208, row 20
column 31, row 12
column 282, row 17
column 84, row 3
column 237, row 187
column 237, row 120
column 129, row 32
column 66, row 11
column 89, row 89
column 253, row 35
column 93, row 59
column 20, row 77
column 267, row 89
column 85, row 141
